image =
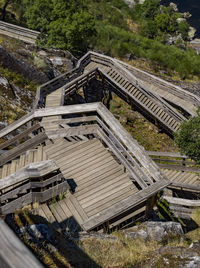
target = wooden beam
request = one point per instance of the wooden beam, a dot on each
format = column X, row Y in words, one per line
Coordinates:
column 182, row 201
column 18, row 123
column 13, row 253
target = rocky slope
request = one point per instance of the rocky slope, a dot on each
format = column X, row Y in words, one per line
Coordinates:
column 22, row 68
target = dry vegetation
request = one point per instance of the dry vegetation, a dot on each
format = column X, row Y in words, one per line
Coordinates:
column 116, row 251
column 145, row 132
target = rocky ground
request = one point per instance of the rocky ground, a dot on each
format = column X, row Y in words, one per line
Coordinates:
column 155, row 244
column 22, row 68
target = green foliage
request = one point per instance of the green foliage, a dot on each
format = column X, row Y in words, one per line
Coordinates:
column 106, row 26
column 63, row 24
column 166, row 23
column 118, row 42
column 157, row 21
column 149, row 9
column 188, row 138
column 183, row 28
column 149, row 28
column 18, row 79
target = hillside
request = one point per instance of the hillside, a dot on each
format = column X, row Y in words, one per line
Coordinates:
column 112, row 27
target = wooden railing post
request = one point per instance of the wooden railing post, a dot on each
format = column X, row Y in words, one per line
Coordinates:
column 149, row 206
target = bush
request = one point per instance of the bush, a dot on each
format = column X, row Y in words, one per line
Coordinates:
column 188, row 138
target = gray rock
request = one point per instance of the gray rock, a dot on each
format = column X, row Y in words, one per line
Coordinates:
column 173, row 6
column 10, row 61
column 37, row 231
column 57, row 61
column 159, row 231
column 192, row 262
column 131, row 3
column 191, row 33
column 4, row 82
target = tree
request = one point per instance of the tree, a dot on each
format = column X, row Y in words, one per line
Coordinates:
column 188, row 138
column 166, row 23
column 5, row 4
column 183, row 28
column 150, row 8
column 63, row 24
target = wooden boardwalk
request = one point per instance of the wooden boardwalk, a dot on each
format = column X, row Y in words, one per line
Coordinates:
column 107, row 185
column 35, row 155
column 140, row 98
column 99, row 181
column 106, row 178
column 154, row 97
column 175, row 95
column 111, row 177
column 54, row 99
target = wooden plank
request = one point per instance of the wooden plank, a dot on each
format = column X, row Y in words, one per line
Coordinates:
column 68, row 147
column 65, row 209
column 111, row 200
column 15, row 192
column 130, row 215
column 38, row 184
column 103, row 188
column 50, row 193
column 98, row 170
column 122, row 159
column 83, row 153
column 53, row 208
column 73, row 210
column 82, row 162
column 13, row 252
column 16, row 204
column 85, row 203
column 182, row 201
column 13, row 153
column 167, row 154
column 97, row 181
column 78, row 207
column 131, row 144
column 123, row 205
column 98, row 165
column 71, row 120
column 80, row 130
column 16, row 124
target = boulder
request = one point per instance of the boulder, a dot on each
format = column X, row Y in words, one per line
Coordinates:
column 158, row 231
column 11, row 62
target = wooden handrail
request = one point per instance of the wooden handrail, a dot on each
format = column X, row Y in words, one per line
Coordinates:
column 13, row 252
column 37, row 182
column 169, row 161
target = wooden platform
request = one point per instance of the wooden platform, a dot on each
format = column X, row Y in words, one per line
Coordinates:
column 97, row 179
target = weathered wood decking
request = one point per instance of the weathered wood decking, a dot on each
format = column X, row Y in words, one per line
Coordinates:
column 111, row 176
column 121, row 79
column 91, row 152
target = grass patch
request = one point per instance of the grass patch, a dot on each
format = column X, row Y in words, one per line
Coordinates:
column 18, row 80
column 146, row 133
